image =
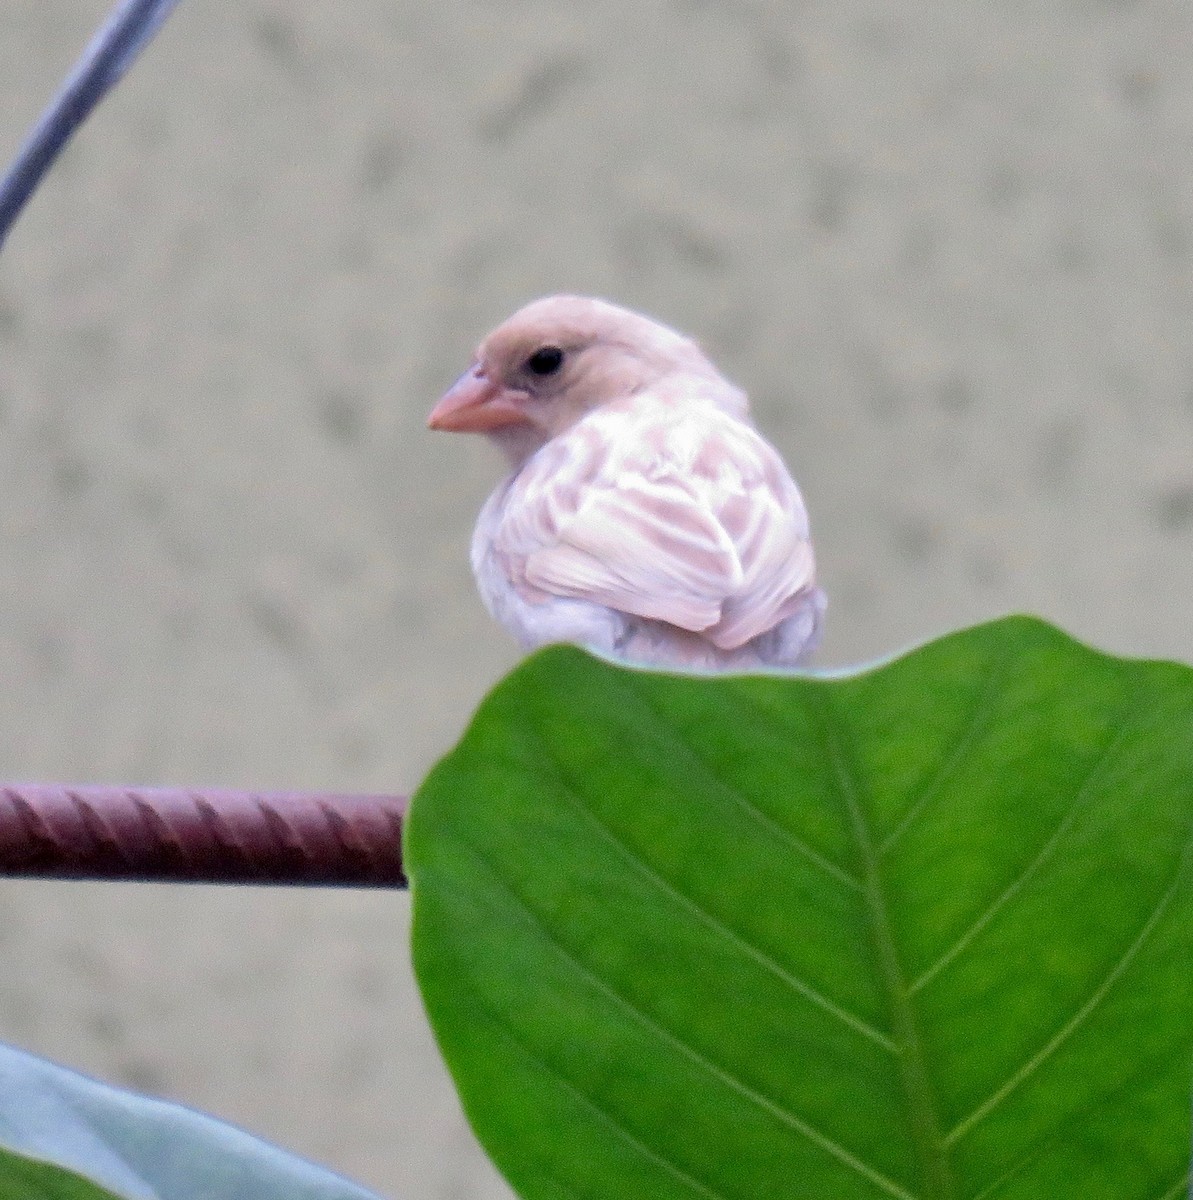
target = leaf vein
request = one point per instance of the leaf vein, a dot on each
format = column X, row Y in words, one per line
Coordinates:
column 992, row 1188
column 1079, row 1018
column 937, row 1172
column 984, row 707
column 739, row 798
column 605, row 1115
column 714, row 923
column 1043, row 855
column 777, row 1110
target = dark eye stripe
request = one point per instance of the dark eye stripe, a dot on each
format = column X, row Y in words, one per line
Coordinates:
column 545, row 361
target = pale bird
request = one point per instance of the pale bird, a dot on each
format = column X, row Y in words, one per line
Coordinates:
column 644, row 517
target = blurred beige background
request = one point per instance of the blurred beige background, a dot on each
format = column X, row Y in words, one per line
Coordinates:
column 947, row 247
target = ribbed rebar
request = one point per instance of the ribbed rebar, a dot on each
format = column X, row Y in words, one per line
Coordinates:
column 175, row 835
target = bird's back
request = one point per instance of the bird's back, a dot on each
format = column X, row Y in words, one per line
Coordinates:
column 661, row 531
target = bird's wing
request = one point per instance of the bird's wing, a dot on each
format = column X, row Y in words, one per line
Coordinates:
column 694, row 522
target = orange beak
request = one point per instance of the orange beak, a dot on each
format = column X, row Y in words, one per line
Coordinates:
column 475, row 404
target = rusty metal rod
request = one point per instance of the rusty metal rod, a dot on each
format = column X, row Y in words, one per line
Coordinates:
column 182, row 835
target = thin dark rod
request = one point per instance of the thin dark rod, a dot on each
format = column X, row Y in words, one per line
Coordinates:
column 113, row 49
column 177, row 835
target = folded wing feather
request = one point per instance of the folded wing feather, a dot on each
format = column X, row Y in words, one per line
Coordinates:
column 694, row 523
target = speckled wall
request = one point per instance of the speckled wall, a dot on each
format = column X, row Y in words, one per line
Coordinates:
column 945, row 246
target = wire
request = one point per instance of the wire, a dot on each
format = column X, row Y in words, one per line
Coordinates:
column 113, row 49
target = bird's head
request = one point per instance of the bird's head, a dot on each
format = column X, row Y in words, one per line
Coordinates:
column 557, row 360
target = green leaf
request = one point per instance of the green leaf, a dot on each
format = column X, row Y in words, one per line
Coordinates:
column 54, row 1123
column 920, row 932
column 29, row 1179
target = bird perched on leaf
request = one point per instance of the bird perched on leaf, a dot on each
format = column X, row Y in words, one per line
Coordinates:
column 645, row 517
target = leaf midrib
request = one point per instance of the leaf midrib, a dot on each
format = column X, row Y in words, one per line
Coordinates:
column 936, row 1171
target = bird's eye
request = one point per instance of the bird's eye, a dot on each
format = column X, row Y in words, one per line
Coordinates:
column 545, row 361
